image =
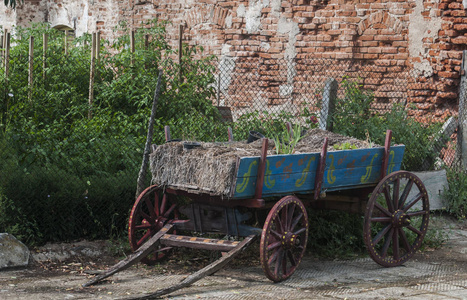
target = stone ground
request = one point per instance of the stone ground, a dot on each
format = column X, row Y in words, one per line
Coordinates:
column 433, row 274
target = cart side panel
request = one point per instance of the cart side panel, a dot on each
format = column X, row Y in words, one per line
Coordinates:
column 283, row 174
column 353, row 168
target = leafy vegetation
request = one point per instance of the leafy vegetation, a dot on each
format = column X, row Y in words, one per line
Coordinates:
column 66, row 175
column 456, row 194
column 355, row 117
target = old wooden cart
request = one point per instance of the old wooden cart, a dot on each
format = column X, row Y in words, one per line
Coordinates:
column 282, row 186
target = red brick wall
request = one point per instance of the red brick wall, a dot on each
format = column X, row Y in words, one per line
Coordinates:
column 425, row 37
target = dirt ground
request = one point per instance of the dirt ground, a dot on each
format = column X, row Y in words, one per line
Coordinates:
column 59, row 270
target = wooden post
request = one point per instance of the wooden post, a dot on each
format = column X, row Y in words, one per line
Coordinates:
column 45, row 39
column 66, row 42
column 132, row 47
column 180, row 51
column 328, row 104
column 2, row 51
column 462, row 123
column 31, row 66
column 7, row 55
column 91, row 74
column 98, row 45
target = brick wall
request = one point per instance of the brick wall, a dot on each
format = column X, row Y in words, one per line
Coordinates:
column 422, row 37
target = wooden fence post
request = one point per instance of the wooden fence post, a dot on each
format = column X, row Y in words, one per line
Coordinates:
column 462, row 122
column 98, row 45
column 91, row 74
column 7, row 55
column 328, row 104
column 31, row 67
column 66, row 42
column 44, row 54
column 132, row 47
column 180, row 51
column 2, row 50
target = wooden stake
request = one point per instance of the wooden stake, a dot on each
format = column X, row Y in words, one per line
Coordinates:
column 66, row 42
column 98, row 45
column 45, row 39
column 147, row 149
column 31, row 66
column 91, row 74
column 7, row 55
column 180, row 50
column 132, row 47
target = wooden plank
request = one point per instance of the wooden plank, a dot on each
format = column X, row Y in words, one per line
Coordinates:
column 296, row 173
column 198, row 243
column 134, row 258
column 206, row 271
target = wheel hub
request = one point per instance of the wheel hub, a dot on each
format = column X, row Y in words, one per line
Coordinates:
column 290, row 240
column 400, row 219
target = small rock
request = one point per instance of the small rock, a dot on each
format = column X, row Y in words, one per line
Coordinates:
column 13, row 253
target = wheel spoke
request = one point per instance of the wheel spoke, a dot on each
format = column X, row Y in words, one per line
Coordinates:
column 284, row 262
column 279, row 227
column 150, row 207
column 395, row 195
column 300, row 231
column 144, row 238
column 156, row 204
column 143, row 226
column 381, row 219
column 414, row 230
column 381, row 234
column 405, row 193
column 395, row 244
column 276, row 235
column 387, row 196
column 280, row 256
column 292, row 259
column 290, row 212
column 382, row 209
column 417, row 213
column 169, row 211
column 295, row 221
column 163, row 205
column 274, row 246
column 405, row 241
column 147, row 217
column 387, row 242
column 274, row 256
column 412, row 202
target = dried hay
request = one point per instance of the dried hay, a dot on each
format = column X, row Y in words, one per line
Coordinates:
column 211, row 167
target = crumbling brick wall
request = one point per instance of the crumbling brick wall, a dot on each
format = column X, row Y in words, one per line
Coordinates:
column 422, row 37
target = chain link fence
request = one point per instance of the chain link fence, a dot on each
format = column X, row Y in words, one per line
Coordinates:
column 71, row 154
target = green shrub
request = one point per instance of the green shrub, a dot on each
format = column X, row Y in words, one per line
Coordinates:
column 456, row 194
column 355, row 117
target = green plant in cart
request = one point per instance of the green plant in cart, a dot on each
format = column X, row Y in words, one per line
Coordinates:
column 286, row 141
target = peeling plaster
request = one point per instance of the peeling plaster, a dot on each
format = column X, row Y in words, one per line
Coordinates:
column 241, row 10
column 228, row 21
column 253, row 16
column 226, row 66
column 419, row 29
column 291, row 28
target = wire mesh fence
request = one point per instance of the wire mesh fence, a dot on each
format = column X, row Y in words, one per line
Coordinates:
column 75, row 152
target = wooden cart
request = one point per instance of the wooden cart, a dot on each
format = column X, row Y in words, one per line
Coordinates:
column 280, row 187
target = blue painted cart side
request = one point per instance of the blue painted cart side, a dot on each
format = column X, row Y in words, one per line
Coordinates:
column 296, row 173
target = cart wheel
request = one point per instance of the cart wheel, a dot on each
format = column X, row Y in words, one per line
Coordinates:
column 283, row 239
column 396, row 219
column 152, row 210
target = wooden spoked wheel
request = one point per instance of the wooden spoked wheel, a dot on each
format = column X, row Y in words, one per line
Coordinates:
column 284, row 238
column 152, row 210
column 396, row 219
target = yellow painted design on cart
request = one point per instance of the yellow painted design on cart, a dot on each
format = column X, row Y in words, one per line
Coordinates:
column 302, row 179
column 367, row 175
column 246, row 178
column 267, row 177
column 391, row 164
column 331, row 177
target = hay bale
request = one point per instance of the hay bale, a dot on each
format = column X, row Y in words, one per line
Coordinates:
column 211, row 168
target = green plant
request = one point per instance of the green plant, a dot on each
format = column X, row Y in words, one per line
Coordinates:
column 285, row 141
column 344, row 146
column 455, row 195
